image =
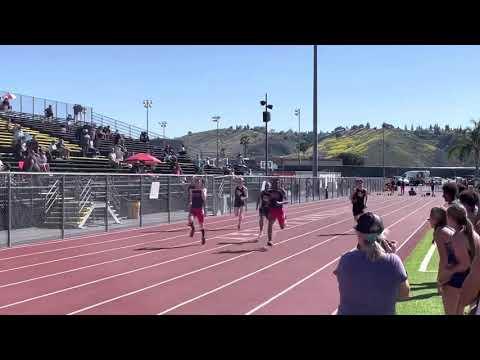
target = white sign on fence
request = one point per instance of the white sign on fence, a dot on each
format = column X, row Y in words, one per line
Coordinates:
column 154, row 190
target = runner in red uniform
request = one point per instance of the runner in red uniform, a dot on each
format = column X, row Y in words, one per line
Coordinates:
column 277, row 198
column 197, row 199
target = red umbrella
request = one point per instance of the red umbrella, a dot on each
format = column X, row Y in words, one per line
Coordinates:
column 145, row 158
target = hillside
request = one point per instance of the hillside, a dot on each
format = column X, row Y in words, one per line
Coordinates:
column 280, row 143
column 402, row 147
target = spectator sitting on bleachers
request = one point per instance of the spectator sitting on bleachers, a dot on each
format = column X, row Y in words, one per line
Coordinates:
column 107, row 132
column 69, row 120
column 49, row 112
column 412, row 192
column 42, row 161
column 100, row 133
column 63, row 152
column 4, row 167
column 52, row 151
column 33, row 144
column 117, row 138
column 17, row 134
column 31, row 163
column 177, row 169
column 120, row 152
column 113, row 159
column 144, row 137
column 92, row 151
column 182, row 152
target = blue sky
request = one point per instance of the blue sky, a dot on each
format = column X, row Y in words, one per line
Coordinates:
column 189, row 84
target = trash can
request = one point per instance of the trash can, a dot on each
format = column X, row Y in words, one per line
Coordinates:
column 134, row 210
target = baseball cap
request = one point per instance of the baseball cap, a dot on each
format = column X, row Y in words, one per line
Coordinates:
column 369, row 223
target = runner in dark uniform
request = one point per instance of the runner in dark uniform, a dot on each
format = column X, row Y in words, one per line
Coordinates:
column 197, row 196
column 262, row 206
column 359, row 200
column 277, row 199
column 241, row 195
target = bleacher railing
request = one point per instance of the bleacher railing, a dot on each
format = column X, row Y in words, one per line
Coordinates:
column 36, row 107
column 122, row 127
column 49, row 206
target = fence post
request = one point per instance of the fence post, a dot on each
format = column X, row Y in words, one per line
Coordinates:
column 44, row 104
column 141, row 201
column 33, row 107
column 66, row 111
column 106, row 203
column 62, row 188
column 21, row 108
column 291, row 190
column 231, row 193
column 215, row 200
column 168, row 199
column 9, row 209
column 56, row 110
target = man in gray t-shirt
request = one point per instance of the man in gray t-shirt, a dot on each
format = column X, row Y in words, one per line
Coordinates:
column 369, row 288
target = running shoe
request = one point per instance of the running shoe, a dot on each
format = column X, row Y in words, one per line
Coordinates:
column 203, row 240
column 269, row 243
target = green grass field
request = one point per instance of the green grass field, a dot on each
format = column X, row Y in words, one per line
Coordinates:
column 424, row 297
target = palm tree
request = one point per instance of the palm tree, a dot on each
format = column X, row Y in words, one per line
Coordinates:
column 467, row 146
column 245, row 140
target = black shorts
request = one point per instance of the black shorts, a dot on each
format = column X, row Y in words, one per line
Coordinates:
column 457, row 279
column 263, row 212
column 357, row 210
column 238, row 203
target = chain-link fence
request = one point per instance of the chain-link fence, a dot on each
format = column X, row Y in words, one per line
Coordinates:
column 44, row 206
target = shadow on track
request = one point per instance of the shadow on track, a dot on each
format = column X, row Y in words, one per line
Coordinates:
column 339, row 234
column 237, row 243
column 167, row 247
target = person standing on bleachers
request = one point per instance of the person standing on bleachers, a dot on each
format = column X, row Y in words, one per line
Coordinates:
column 63, row 152
column 5, row 106
column 49, row 112
column 85, row 142
column 77, row 112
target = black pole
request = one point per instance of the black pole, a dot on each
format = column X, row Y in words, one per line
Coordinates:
column 106, row 204
column 266, row 138
column 62, row 187
column 315, row 130
column 141, row 202
column 9, row 209
column 383, row 150
column 217, row 141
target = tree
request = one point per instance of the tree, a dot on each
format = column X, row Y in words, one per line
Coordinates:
column 467, row 146
column 351, row 159
column 189, row 133
column 406, row 128
column 303, row 147
column 411, row 128
column 368, row 125
column 245, row 140
column 447, row 128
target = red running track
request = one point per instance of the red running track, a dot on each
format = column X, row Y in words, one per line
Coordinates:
column 161, row 270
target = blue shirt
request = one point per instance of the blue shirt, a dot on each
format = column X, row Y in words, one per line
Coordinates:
column 369, row 288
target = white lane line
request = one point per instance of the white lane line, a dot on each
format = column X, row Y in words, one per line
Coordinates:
column 129, row 272
column 195, row 271
column 147, row 227
column 129, row 237
column 261, row 269
column 112, row 249
column 427, row 258
column 327, row 265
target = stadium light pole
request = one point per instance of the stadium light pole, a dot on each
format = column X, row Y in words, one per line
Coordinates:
column 266, row 119
column 297, row 113
column 315, row 129
column 147, row 104
column 163, row 125
column 217, row 120
column 383, row 150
